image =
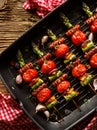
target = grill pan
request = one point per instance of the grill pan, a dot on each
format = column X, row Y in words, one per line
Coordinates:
column 73, row 10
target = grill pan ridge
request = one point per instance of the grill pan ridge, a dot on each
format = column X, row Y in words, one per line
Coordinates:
column 74, row 12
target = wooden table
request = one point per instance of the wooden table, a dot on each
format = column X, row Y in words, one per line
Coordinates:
column 14, row 21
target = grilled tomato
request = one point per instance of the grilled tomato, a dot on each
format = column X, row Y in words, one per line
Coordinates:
column 61, row 50
column 78, row 70
column 78, row 37
column 44, row 95
column 29, row 74
column 93, row 26
column 64, row 85
column 93, row 61
column 48, row 66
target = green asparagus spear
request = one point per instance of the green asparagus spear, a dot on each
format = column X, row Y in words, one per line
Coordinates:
column 51, row 35
column 37, row 51
column 66, row 21
column 86, row 9
column 20, row 58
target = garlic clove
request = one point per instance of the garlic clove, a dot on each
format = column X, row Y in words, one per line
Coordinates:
column 95, row 83
column 44, row 39
column 96, row 10
column 19, row 79
column 47, row 114
column 40, row 107
column 91, row 36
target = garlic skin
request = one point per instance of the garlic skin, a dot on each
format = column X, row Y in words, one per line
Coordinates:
column 95, row 83
column 44, row 39
column 19, row 79
column 96, row 10
column 91, row 36
column 40, row 107
column 47, row 114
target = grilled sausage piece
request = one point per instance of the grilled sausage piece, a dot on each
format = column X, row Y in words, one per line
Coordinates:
column 57, row 42
column 59, row 80
column 34, row 93
column 72, row 30
column 75, row 63
column 25, row 67
column 91, row 19
column 45, row 57
column 90, row 53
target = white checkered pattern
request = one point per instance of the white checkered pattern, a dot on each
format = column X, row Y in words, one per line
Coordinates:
column 12, row 117
column 42, row 7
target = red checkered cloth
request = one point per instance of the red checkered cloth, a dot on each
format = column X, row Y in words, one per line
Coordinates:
column 42, row 7
column 13, row 118
column 93, row 124
column 90, row 123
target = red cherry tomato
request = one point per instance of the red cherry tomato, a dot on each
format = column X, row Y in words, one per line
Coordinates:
column 93, row 26
column 78, row 37
column 64, row 85
column 48, row 66
column 44, row 95
column 93, row 61
column 78, row 70
column 61, row 50
column 29, row 74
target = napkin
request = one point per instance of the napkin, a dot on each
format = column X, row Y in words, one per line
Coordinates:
column 12, row 117
column 42, row 7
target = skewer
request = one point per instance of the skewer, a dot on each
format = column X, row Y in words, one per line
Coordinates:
column 76, row 104
column 54, row 38
column 86, row 9
column 58, row 113
column 92, row 88
column 90, row 14
column 22, row 63
column 50, row 33
column 92, row 17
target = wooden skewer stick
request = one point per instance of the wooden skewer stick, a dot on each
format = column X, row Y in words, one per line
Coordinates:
column 58, row 112
column 76, row 104
column 92, row 88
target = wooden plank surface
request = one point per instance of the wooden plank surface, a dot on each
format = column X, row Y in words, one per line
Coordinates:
column 14, row 21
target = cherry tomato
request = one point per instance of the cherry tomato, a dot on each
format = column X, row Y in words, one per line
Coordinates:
column 61, row 50
column 29, row 74
column 78, row 37
column 93, row 61
column 48, row 66
column 64, row 85
column 44, row 95
column 78, row 70
column 93, row 26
